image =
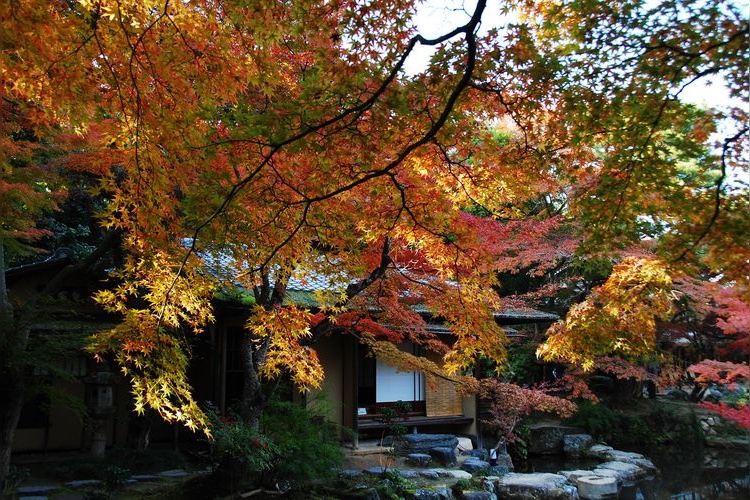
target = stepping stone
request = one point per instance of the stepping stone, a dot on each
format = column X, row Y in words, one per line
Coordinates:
column 82, row 483
column 597, row 488
column 623, row 456
column 624, row 470
column 350, row 474
column 375, row 471
column 536, row 485
column 608, row 473
column 429, row 474
column 145, row 477
column 35, row 489
column 174, row 473
column 454, row 473
column 573, row 475
column 599, row 451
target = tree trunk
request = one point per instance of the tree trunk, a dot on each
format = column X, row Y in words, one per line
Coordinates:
column 11, row 412
column 11, row 377
column 253, row 397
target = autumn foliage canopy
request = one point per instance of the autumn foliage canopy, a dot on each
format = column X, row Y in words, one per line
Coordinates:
column 288, row 139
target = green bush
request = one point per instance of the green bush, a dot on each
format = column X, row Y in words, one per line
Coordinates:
column 242, row 454
column 523, row 366
column 638, row 427
column 307, row 444
column 598, row 420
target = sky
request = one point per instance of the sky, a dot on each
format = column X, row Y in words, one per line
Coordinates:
column 437, row 17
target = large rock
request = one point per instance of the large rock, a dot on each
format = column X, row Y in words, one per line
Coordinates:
column 503, row 461
column 444, row 455
column 436, row 494
column 575, row 445
column 479, row 495
column 423, row 443
column 539, row 486
column 548, row 439
column 419, row 459
column 473, row 464
column 479, row 453
column 600, row 451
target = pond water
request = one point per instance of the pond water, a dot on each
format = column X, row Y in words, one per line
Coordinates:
column 710, row 474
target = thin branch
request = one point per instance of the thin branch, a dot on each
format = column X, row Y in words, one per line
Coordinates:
column 469, row 32
column 717, row 195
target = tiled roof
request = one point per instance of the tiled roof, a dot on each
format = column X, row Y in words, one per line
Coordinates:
column 60, row 257
column 302, row 287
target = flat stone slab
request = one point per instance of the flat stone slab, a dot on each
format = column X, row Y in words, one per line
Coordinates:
column 82, row 483
column 429, row 474
column 623, row 456
column 624, row 470
column 599, row 451
column 174, row 473
column 375, row 471
column 645, row 464
column 573, row 475
column 36, row 488
column 422, row 443
column 540, row 485
column 144, row 478
column 607, row 473
column 453, row 473
column 629, row 457
column 350, row 473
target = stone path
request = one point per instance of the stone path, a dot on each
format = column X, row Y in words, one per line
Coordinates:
column 78, row 489
column 616, row 469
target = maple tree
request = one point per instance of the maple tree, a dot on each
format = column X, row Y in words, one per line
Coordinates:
column 733, row 379
column 35, row 206
column 286, row 140
column 510, row 403
column 24, row 195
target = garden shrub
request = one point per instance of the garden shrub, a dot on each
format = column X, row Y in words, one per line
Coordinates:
column 307, row 444
column 598, row 420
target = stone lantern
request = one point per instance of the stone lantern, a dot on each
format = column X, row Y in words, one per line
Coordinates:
column 100, row 403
